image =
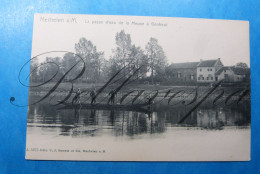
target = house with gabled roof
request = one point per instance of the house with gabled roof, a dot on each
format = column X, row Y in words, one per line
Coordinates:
column 206, row 70
column 233, row 74
column 182, row 72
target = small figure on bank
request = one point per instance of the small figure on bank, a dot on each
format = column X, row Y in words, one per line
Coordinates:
column 112, row 95
column 93, row 96
column 77, row 96
column 149, row 102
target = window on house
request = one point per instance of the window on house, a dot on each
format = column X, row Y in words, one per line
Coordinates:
column 207, row 78
column 179, row 75
column 200, row 69
column 210, row 69
column 201, row 77
column 211, row 78
column 225, row 76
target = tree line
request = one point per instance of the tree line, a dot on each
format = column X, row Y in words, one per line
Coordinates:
column 150, row 61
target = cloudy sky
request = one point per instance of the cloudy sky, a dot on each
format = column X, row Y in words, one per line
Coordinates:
column 183, row 40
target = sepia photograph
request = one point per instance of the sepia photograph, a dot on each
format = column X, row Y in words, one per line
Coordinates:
column 136, row 88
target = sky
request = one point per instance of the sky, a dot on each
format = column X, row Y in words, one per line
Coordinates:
column 182, row 39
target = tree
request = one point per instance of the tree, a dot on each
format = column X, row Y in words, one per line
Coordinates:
column 92, row 57
column 96, row 65
column 68, row 61
column 242, row 65
column 105, row 70
column 156, row 56
column 138, row 59
column 34, row 71
column 122, row 51
column 50, row 69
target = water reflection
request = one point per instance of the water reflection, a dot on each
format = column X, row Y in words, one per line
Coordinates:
column 94, row 122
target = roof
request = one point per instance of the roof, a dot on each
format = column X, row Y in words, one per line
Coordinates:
column 207, row 63
column 186, row 65
column 236, row 70
column 222, row 69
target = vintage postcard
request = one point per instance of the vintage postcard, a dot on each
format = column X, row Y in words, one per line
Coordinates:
column 129, row 88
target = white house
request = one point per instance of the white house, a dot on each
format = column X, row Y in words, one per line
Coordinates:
column 232, row 74
column 206, row 70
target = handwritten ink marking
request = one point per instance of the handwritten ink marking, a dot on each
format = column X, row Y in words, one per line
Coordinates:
column 12, row 99
column 201, row 101
column 154, row 97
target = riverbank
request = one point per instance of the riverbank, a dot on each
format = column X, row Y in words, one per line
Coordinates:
column 138, row 94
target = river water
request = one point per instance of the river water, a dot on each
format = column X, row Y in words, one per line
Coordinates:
column 125, row 134
column 94, row 122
